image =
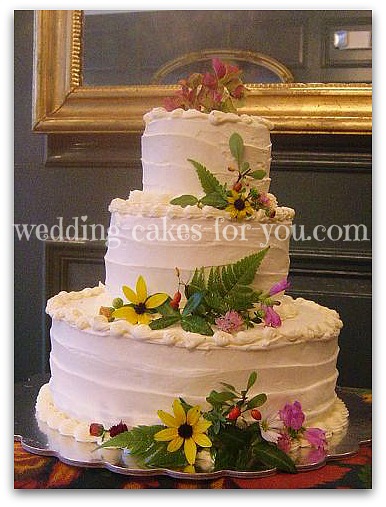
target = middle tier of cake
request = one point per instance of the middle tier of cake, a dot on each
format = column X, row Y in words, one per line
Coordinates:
column 152, row 238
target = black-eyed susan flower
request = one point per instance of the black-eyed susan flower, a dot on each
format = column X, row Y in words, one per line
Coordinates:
column 184, row 428
column 139, row 312
column 238, row 205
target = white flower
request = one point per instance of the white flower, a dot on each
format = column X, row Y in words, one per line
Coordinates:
column 271, row 427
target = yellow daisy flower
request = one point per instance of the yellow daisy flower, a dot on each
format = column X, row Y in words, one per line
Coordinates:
column 142, row 303
column 239, row 207
column 184, row 428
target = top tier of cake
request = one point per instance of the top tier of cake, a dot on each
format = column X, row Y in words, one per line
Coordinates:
column 172, row 138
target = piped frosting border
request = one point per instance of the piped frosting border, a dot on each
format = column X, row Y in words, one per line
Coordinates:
column 321, row 324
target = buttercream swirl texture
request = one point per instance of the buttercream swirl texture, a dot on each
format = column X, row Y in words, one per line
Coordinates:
column 303, row 320
column 154, row 239
column 108, row 371
column 173, row 138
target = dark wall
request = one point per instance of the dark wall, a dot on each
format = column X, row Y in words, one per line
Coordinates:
column 327, row 179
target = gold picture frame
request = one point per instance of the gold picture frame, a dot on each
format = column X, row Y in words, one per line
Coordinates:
column 62, row 104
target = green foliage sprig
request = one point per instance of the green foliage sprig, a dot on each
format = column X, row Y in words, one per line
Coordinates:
column 236, row 443
column 211, row 294
column 221, row 197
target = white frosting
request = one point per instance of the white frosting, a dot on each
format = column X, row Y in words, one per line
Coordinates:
column 154, row 243
column 158, row 205
column 128, row 372
column 303, row 320
column 171, row 138
column 333, row 422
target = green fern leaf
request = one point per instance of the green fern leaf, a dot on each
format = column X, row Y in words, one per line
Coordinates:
column 215, row 284
column 209, row 182
column 243, row 272
column 216, row 302
column 198, row 280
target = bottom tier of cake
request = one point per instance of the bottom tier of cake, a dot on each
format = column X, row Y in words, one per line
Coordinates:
column 107, row 372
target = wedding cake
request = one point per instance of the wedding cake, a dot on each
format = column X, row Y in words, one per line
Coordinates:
column 196, row 274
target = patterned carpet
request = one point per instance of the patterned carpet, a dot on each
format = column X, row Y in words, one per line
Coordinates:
column 40, row 472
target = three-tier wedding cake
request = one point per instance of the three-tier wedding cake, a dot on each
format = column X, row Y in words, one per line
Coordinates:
column 196, row 273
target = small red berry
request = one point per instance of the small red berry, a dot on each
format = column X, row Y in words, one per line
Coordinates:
column 96, row 429
column 176, row 300
column 256, row 414
column 234, row 413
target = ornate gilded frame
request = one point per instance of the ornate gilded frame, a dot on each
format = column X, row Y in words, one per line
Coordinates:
column 62, row 104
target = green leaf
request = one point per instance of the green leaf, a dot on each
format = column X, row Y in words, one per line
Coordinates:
column 236, row 145
column 186, row 406
column 198, row 280
column 160, row 457
column 164, row 322
column 239, row 302
column 257, row 401
column 258, row 175
column 193, row 302
column 218, row 398
column 229, row 386
column 271, row 456
column 184, row 200
column 242, row 272
column 196, row 324
column 147, row 452
column 121, row 441
column 165, row 309
column 245, row 167
column 214, row 281
column 214, row 199
column 208, row 181
column 251, row 380
column 216, row 303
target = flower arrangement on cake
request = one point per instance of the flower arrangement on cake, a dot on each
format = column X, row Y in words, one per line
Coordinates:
column 241, row 201
column 233, row 434
column 221, row 296
column 220, row 90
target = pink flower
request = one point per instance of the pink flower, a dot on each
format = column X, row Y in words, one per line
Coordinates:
column 284, row 442
column 271, row 317
column 238, row 92
column 292, row 415
column 219, row 67
column 232, row 69
column 315, row 455
column 209, row 80
column 279, row 287
column 316, row 437
column 171, row 103
column 230, row 322
column 264, row 200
